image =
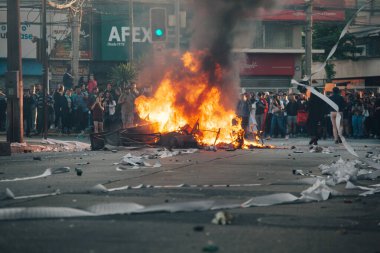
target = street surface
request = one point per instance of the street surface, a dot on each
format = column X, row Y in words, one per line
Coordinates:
column 348, row 223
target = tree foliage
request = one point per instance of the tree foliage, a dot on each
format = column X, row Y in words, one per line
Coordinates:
column 123, row 73
column 325, row 35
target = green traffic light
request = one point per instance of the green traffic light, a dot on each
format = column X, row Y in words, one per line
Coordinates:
column 159, row 32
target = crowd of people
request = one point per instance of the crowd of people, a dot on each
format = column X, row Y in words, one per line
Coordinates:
column 76, row 108
column 291, row 115
column 85, row 108
column 81, row 109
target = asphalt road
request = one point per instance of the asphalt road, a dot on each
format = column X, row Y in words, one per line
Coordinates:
column 347, row 223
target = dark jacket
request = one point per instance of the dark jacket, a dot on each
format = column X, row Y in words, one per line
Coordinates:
column 339, row 100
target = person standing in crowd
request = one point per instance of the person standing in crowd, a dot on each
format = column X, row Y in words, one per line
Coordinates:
column 291, row 109
column 269, row 115
column 127, row 103
column 90, row 102
column 253, row 128
column 277, row 117
column 317, row 109
column 260, row 111
column 117, row 117
column 34, row 107
column 357, row 118
column 367, row 116
column 3, row 111
column 27, row 109
column 80, row 110
column 109, row 105
column 302, row 108
column 92, row 84
column 337, row 99
column 49, row 103
column 97, row 110
column 67, row 112
column 58, row 97
column 347, row 116
column 110, row 90
column 377, row 115
column 243, row 110
column 68, row 79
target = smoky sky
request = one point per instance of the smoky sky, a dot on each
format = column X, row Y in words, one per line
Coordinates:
column 213, row 27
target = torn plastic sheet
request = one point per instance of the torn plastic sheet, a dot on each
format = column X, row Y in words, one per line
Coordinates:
column 11, row 195
column 318, row 192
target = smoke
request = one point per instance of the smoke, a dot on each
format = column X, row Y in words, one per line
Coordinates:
column 214, row 26
column 213, row 32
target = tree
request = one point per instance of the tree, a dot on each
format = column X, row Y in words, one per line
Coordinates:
column 325, row 36
column 123, row 73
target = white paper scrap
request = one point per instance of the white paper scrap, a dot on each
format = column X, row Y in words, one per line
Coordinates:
column 269, row 200
column 11, row 195
column 46, row 173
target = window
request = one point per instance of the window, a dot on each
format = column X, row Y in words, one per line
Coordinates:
column 278, row 35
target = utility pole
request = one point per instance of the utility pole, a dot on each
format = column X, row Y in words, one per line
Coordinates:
column 14, row 84
column 75, row 30
column 177, row 25
column 131, row 31
column 309, row 38
column 45, row 70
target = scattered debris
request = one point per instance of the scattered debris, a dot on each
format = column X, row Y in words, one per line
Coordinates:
column 210, row 248
column 222, row 218
column 61, row 170
column 199, row 228
column 298, row 172
column 211, row 148
column 318, row 192
column 79, row 171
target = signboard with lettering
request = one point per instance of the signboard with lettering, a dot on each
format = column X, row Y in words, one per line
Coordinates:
column 117, row 36
column 58, row 34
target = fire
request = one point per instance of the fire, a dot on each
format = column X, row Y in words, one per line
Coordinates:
column 187, row 97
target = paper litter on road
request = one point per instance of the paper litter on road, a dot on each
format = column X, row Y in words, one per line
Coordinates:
column 351, row 186
column 269, row 200
column 114, row 208
column 341, row 171
column 46, row 173
column 318, row 192
column 10, row 195
column 19, row 213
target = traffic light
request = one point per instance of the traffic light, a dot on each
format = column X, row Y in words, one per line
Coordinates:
column 158, row 24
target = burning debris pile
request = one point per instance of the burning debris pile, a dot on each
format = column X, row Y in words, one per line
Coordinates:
column 195, row 93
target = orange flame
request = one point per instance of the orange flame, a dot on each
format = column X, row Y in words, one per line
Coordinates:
column 191, row 100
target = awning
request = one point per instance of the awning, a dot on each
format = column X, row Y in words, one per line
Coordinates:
column 29, row 67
